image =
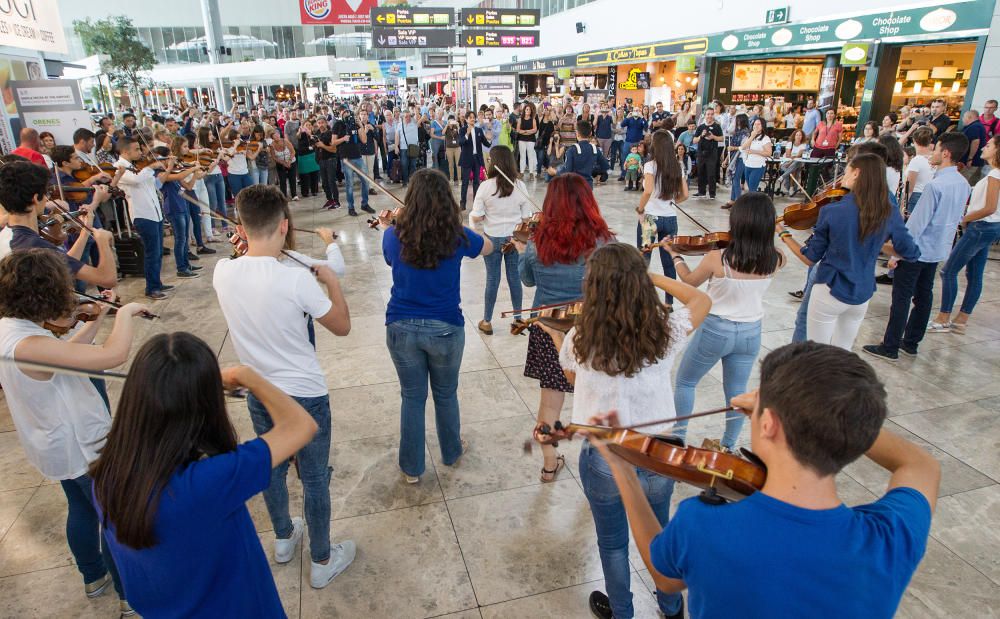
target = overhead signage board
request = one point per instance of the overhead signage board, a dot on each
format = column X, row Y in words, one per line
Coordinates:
column 32, row 25
column 643, row 53
column 934, row 20
column 501, row 18
column 542, row 64
column 417, row 17
column 399, row 38
column 855, row 54
column 499, row 38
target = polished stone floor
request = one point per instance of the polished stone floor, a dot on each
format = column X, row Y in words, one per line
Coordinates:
column 485, row 539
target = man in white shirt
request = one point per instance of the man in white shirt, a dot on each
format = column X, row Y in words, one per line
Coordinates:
column 267, row 305
column 144, row 211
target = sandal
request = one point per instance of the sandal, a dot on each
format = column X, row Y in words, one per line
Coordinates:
column 560, row 463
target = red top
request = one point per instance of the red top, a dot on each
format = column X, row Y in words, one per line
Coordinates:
column 828, row 136
column 31, row 155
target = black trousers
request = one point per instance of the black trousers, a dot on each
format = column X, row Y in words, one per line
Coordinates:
column 466, row 174
column 707, row 164
column 328, row 176
column 912, row 282
column 286, row 178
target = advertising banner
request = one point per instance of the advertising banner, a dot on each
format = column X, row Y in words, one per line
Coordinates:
column 313, row 12
column 60, row 124
column 32, row 24
column 496, row 88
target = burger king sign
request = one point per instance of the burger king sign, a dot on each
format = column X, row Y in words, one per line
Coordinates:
column 336, row 11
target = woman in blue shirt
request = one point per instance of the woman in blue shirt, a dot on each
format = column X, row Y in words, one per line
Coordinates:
column 424, row 323
column 171, row 484
column 553, row 261
column 846, row 242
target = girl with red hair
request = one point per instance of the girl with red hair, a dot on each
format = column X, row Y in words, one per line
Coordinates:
column 553, row 262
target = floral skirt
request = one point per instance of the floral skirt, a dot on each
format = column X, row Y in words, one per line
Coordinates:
column 542, row 362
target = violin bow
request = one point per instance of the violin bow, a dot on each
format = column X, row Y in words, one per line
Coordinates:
column 371, row 181
column 696, row 222
column 535, row 309
column 61, row 369
column 62, row 196
column 516, row 186
column 146, row 315
column 312, row 269
column 714, row 411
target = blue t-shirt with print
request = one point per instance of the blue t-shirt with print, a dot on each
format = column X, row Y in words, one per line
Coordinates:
column 208, row 561
column 433, row 294
column 761, row 557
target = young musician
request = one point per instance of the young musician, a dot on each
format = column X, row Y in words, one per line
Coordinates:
column 618, row 357
column 553, row 261
column 657, row 213
column 178, row 149
column 933, row 224
column 424, row 322
column 172, row 183
column 500, row 207
column 582, row 157
column 172, row 483
column 267, row 305
column 61, row 420
column 794, row 549
column 738, row 277
column 846, row 241
column 145, row 211
column 24, row 189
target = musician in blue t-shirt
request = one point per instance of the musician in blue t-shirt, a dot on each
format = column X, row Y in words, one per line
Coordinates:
column 793, row 549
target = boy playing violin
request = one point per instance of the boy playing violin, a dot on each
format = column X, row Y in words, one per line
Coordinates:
column 739, row 559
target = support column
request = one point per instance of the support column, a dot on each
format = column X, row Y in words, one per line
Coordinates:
column 214, row 40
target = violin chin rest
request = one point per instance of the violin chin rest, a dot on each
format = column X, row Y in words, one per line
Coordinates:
column 710, row 497
column 752, row 457
column 670, row 438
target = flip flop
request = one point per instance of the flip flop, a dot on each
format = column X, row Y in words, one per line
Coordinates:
column 560, row 463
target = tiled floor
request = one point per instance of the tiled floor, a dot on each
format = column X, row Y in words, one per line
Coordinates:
column 485, row 539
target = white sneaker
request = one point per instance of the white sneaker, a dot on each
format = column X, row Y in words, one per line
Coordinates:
column 341, row 556
column 284, row 549
column 937, row 327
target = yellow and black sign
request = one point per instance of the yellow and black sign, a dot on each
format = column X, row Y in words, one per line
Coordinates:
column 642, row 53
column 503, row 18
column 411, row 17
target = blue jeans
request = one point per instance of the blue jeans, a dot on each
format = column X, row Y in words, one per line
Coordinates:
column 665, row 226
column 314, row 471
column 83, row 533
column 493, row 277
column 258, row 175
column 435, row 156
column 737, row 345
column 349, row 175
column 626, row 148
column 617, row 155
column 151, row 233
column 971, row 252
column 423, row 349
column 216, row 186
column 180, row 221
column 737, row 187
column 238, row 181
column 802, row 316
column 911, row 202
column 194, row 212
column 409, row 164
column 612, row 528
column 541, row 159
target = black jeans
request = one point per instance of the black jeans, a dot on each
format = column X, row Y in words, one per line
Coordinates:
column 912, row 281
column 328, row 176
column 707, row 162
column 286, row 178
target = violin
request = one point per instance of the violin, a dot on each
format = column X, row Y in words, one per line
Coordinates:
column 523, row 231
column 85, row 311
column 804, row 215
column 694, row 245
column 723, row 477
column 240, row 244
column 88, row 171
column 560, row 317
column 56, row 230
column 386, row 217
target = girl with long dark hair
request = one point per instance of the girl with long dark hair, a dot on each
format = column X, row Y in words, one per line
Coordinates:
column 737, row 277
column 619, row 357
column 846, row 241
column 664, row 186
column 172, row 483
column 61, row 420
column 553, row 261
column 753, row 153
column 500, row 206
column 424, row 322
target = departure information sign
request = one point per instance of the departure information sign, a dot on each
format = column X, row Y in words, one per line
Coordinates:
column 501, row 18
column 417, row 17
column 499, row 38
column 397, row 38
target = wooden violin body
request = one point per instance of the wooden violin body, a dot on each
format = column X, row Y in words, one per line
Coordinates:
column 386, row 217
column 729, row 476
column 88, row 171
column 56, row 229
column 695, row 245
column 561, row 318
column 240, row 245
column 803, row 215
column 523, row 231
column 86, row 311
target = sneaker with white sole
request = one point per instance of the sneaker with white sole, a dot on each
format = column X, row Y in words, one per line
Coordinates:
column 341, row 557
column 937, row 327
column 284, row 549
column 99, row 586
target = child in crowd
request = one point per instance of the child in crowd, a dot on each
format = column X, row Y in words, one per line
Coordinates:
column 633, row 168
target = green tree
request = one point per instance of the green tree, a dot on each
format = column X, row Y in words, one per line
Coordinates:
column 126, row 57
